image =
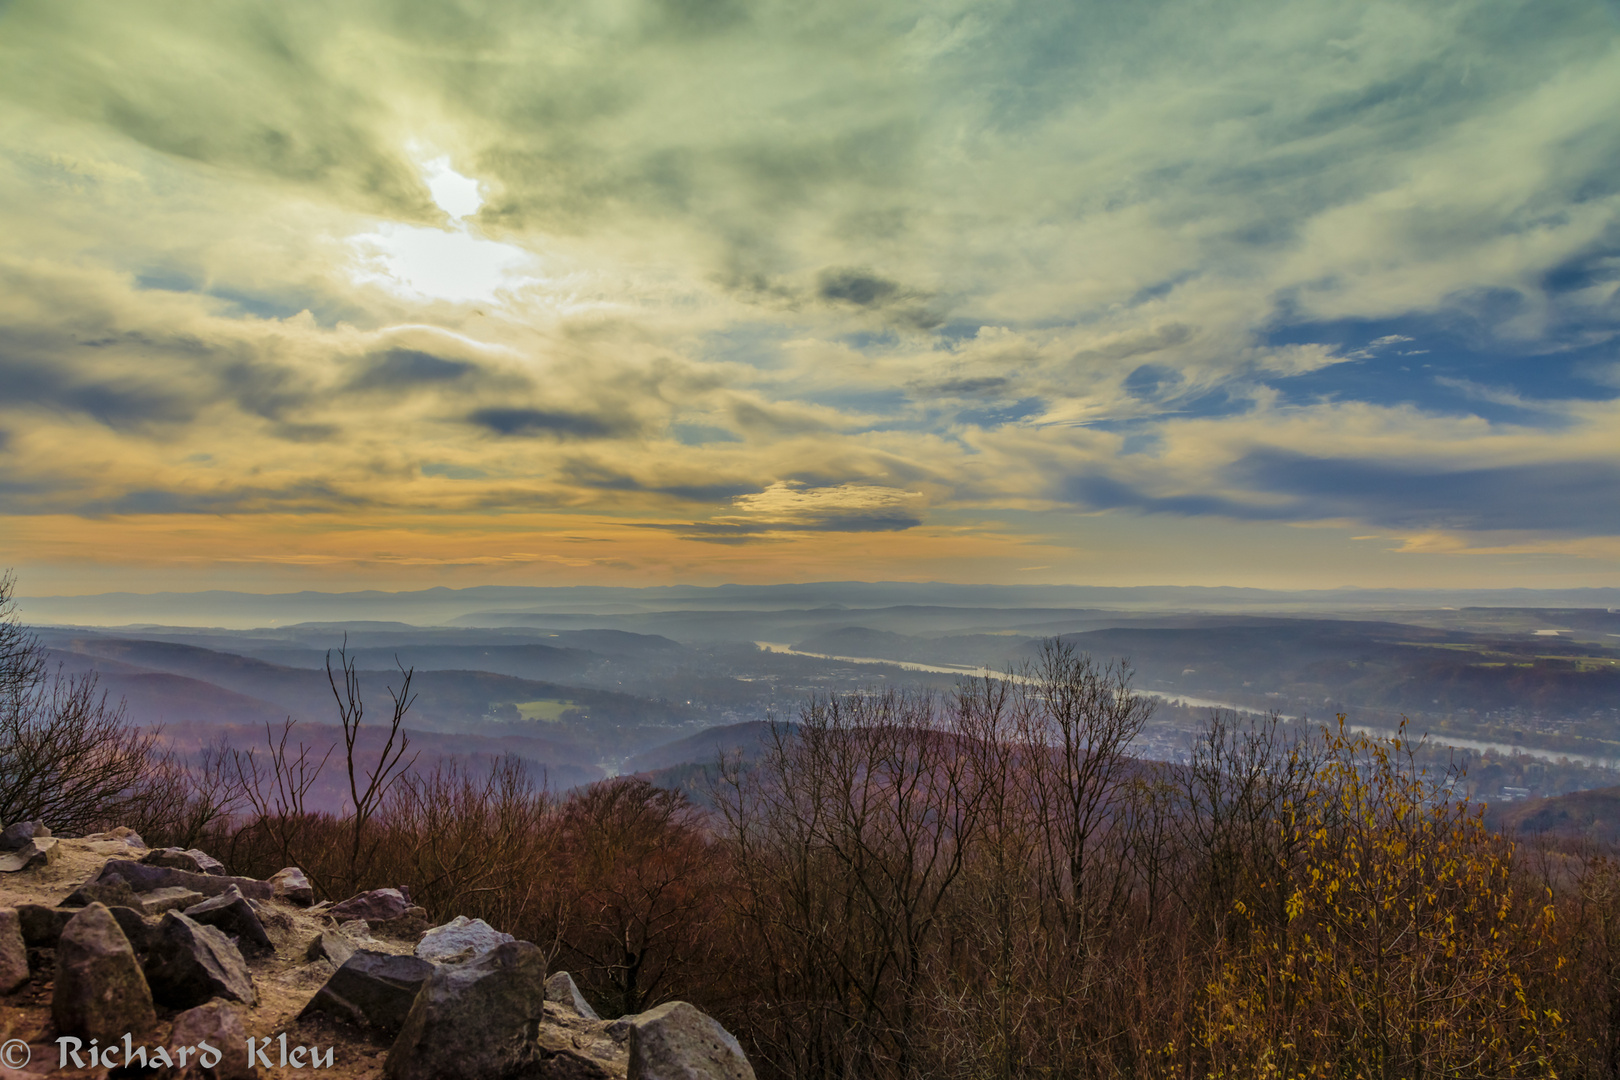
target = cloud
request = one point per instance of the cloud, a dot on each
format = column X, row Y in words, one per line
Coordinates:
column 403, row 369
column 821, row 271
column 544, row 422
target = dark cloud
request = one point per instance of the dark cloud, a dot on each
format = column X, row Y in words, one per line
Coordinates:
column 1100, row 492
column 546, row 423
column 859, row 287
column 866, row 290
column 403, row 369
column 590, row 474
column 723, row 532
column 304, row 497
column 1572, row 497
column 122, row 403
column 1577, row 496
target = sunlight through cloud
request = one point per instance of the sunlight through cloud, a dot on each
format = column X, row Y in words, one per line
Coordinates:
column 454, row 264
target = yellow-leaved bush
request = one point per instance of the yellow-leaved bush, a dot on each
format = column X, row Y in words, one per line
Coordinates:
column 1405, row 949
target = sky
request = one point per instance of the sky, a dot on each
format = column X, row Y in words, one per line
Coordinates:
column 395, row 294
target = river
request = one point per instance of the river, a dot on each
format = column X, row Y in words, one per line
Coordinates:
column 1207, row 703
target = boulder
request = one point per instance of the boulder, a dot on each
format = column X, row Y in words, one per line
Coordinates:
column 407, row 927
column 188, row 859
column 172, row 898
column 460, row 939
column 477, row 1020
column 291, row 885
column 123, row 834
column 141, row 933
column 232, row 913
column 13, row 951
column 374, row 906
column 677, row 1042
column 42, row 926
column 144, row 878
column 333, row 945
column 19, row 833
column 30, row 856
column 372, row 988
column 114, row 893
column 190, row 963
column 220, row 1026
column 560, row 989
column 99, row 992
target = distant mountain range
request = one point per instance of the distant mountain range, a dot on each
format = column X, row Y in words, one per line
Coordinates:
column 496, row 605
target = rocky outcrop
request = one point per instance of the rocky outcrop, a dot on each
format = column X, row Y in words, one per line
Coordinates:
column 99, row 992
column 373, row 989
column 13, row 952
column 231, row 913
column 460, row 939
column 677, row 1042
column 471, row 1003
column 191, row 963
column 560, row 989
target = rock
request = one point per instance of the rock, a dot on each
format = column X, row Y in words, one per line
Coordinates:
column 190, row 963
column 478, row 1020
column 13, row 951
column 188, row 859
column 30, row 856
column 460, row 939
column 123, row 834
column 291, row 885
column 232, row 913
column 208, row 863
column 560, row 988
column 407, row 927
column 41, row 925
column 374, row 906
column 144, row 878
column 333, row 945
column 677, row 1042
column 114, row 893
column 220, row 1026
column 141, row 933
column 99, row 992
column 173, row 898
column 372, row 988
column 19, row 833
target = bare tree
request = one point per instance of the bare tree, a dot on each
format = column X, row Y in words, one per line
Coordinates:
column 1077, row 723
column 389, row 765
column 67, row 756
